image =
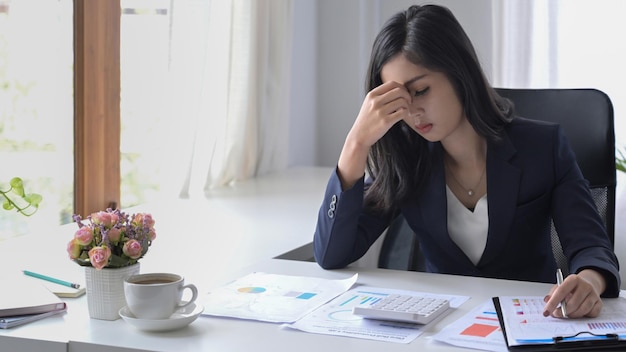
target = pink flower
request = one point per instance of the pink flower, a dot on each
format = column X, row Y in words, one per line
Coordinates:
column 99, row 256
column 74, row 248
column 104, row 218
column 83, row 235
column 143, row 218
column 114, row 235
column 111, row 238
column 132, row 249
column 151, row 235
column 149, row 221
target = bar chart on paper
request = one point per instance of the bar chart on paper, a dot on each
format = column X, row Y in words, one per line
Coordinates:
column 287, row 294
column 336, row 317
column 524, row 323
column 478, row 329
column 344, row 308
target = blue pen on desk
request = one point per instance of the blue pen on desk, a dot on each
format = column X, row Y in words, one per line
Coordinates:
column 559, row 281
column 51, row 279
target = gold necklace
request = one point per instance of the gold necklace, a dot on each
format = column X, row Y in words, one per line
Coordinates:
column 470, row 191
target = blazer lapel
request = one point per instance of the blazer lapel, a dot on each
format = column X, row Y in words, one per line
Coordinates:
column 434, row 207
column 503, row 182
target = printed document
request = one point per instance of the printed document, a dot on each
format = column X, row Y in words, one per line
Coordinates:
column 336, row 318
column 272, row 297
column 525, row 324
column 479, row 329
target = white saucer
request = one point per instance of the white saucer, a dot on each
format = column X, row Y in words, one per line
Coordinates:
column 179, row 319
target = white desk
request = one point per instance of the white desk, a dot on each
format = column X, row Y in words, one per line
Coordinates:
column 211, row 241
column 224, row 334
column 232, row 228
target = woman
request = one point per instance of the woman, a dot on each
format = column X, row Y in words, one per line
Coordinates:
column 476, row 184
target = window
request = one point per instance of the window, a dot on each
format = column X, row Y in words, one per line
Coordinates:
column 36, row 108
column 145, row 52
column 106, row 88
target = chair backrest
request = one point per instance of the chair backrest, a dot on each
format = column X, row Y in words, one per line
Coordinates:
column 586, row 116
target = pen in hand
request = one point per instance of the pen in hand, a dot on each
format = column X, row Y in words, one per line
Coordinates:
column 559, row 281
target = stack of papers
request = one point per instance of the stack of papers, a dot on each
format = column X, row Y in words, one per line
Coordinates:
column 527, row 329
column 273, row 298
column 336, row 318
column 312, row 305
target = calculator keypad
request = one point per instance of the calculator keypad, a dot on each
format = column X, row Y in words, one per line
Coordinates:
column 409, row 308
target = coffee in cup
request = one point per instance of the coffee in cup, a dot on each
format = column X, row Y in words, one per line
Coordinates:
column 156, row 295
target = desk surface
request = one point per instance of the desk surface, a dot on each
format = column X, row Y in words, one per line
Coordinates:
column 232, row 233
column 224, row 334
column 232, row 228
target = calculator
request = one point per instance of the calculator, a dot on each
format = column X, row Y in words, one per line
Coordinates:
column 405, row 308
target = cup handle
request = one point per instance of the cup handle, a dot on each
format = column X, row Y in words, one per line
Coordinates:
column 194, row 295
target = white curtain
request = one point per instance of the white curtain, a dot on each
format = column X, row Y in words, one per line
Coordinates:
column 524, row 43
column 562, row 44
column 567, row 44
column 230, row 64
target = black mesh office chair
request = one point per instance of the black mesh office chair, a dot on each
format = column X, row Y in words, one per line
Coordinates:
column 586, row 116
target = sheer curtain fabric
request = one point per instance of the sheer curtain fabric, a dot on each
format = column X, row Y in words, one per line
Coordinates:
column 230, row 64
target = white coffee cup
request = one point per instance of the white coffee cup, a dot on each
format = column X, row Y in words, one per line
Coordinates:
column 156, row 295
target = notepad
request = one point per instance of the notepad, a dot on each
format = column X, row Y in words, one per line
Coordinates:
column 64, row 291
column 21, row 296
column 525, row 328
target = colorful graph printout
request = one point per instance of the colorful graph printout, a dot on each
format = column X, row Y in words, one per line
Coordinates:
column 336, row 318
column 478, row 329
column 272, row 297
column 525, row 324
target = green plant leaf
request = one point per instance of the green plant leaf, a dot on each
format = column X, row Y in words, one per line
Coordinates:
column 17, row 186
column 25, row 204
column 7, row 205
column 33, row 199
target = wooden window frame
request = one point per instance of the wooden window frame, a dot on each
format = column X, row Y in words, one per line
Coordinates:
column 97, row 123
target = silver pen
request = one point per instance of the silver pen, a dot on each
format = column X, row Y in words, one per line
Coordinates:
column 559, row 281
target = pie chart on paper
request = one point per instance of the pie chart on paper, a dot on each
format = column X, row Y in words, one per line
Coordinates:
column 251, row 290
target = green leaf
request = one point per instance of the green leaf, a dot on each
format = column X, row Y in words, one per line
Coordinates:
column 33, row 199
column 18, row 186
column 7, row 205
column 26, row 204
column 620, row 160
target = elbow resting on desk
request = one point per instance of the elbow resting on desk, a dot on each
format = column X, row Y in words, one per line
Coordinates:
column 324, row 263
column 324, row 259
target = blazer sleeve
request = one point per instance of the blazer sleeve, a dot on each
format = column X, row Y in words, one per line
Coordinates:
column 581, row 230
column 344, row 232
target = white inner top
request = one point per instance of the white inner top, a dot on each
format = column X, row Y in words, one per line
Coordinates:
column 468, row 229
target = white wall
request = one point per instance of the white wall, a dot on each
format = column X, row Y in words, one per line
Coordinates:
column 303, row 104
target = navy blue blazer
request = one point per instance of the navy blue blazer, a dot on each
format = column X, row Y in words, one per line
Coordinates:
column 532, row 176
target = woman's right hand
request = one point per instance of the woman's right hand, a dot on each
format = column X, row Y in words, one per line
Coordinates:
column 383, row 107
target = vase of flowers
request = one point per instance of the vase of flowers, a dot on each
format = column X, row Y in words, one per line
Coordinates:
column 109, row 245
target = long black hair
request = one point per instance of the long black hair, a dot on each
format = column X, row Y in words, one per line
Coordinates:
column 429, row 35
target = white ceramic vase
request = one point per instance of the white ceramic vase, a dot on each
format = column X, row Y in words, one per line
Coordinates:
column 105, row 290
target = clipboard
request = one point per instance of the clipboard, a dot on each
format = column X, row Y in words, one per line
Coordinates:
column 581, row 340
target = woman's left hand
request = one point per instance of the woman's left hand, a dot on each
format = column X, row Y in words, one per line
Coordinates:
column 581, row 293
